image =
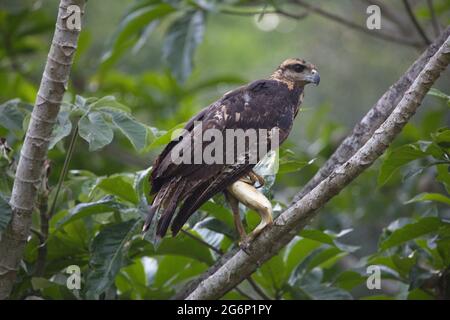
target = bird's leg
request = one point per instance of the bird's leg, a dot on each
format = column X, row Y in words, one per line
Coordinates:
column 252, row 198
column 256, row 177
column 234, row 204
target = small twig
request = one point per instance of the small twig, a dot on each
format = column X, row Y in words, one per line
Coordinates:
column 415, row 22
column 257, row 288
column 353, row 25
column 64, row 171
column 216, row 250
column 262, row 12
column 243, row 293
column 434, row 19
column 38, row 234
column 391, row 15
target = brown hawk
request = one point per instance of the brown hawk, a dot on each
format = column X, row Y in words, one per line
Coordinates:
column 181, row 188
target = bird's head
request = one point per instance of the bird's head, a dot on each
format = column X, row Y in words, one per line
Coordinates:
column 297, row 71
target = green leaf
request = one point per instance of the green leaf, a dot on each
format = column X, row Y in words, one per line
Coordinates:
column 120, row 186
column 51, row 290
column 404, row 264
column 398, row 158
column 110, row 103
column 135, row 131
column 109, row 255
column 293, row 165
column 349, row 279
column 82, row 210
column 181, row 245
column 443, row 175
column 164, row 138
column 218, row 226
column 5, row 213
column 418, row 294
column 319, row 292
column 323, row 257
column 95, row 130
column 182, row 38
column 62, row 128
column 12, row 115
column 299, row 251
column 142, row 186
column 184, row 245
column 131, row 25
column 174, row 269
column 443, row 247
column 411, row 231
column 442, row 138
column 437, row 93
column 437, row 197
column 317, row 235
column 274, row 271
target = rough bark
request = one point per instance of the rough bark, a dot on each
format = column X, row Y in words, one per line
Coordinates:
column 34, row 150
column 240, row 265
column 374, row 118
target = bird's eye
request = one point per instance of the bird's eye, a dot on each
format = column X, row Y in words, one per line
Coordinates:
column 298, row 67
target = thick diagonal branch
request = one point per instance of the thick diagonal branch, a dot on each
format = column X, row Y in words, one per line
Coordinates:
column 34, row 150
column 374, row 118
column 287, row 225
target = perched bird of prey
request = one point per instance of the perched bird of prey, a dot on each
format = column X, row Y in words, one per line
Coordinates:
column 181, row 188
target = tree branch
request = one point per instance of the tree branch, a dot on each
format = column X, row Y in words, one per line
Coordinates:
column 352, row 25
column 34, row 149
column 374, row 118
column 235, row 269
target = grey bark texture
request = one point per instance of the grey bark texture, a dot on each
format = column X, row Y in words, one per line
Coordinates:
column 34, row 150
column 236, row 266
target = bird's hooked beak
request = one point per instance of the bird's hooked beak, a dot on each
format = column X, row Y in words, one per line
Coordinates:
column 314, row 77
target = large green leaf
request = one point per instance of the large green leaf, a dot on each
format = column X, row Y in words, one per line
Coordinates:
column 109, row 255
column 109, row 103
column 317, row 235
column 95, row 130
column 181, row 245
column 174, row 269
column 164, row 138
column 142, row 186
column 52, row 290
column 135, row 131
column 120, row 186
column 349, row 279
column 398, row 158
column 184, row 245
column 437, row 197
column 82, row 210
column 219, row 226
column 183, row 37
column 12, row 114
column 411, row 231
column 139, row 19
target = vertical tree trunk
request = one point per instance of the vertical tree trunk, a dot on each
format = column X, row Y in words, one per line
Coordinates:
column 34, row 150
